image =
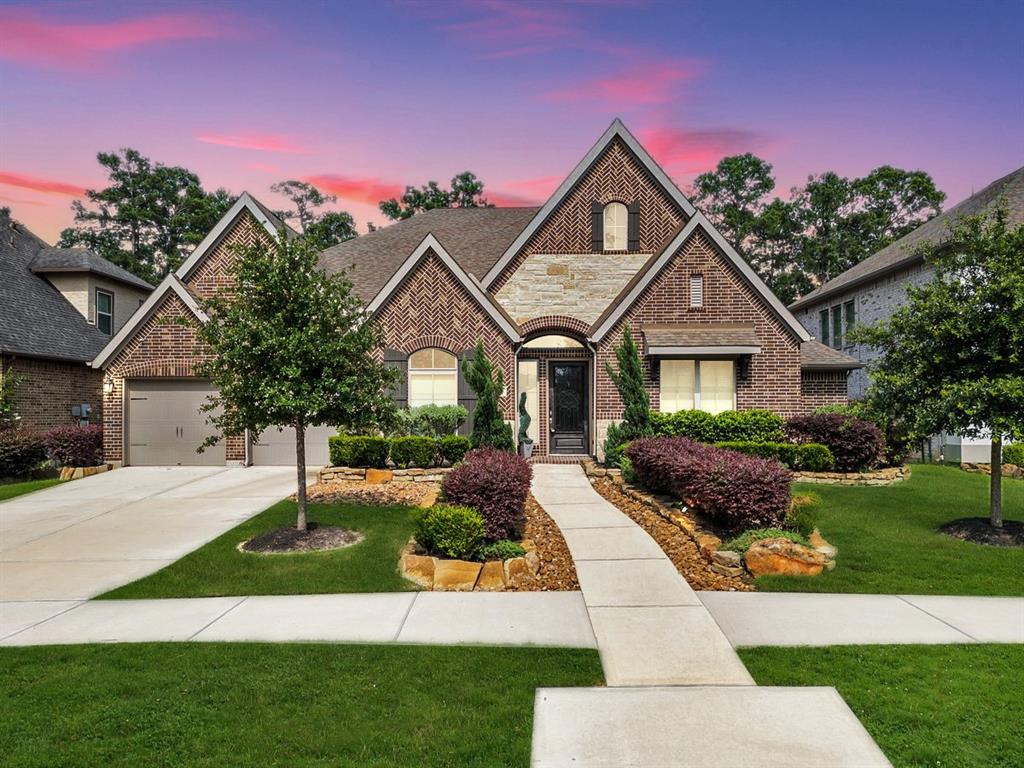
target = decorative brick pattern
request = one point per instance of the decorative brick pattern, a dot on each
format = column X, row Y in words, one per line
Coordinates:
column 49, row 389
column 555, row 324
column 616, row 175
column 818, row 388
column 212, row 275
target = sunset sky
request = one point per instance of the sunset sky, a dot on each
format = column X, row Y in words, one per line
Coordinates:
column 363, row 98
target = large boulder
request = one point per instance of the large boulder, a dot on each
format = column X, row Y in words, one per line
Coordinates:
column 455, row 575
column 783, row 557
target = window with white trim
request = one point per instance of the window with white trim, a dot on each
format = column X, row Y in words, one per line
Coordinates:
column 703, row 385
column 433, row 378
column 616, row 227
column 104, row 311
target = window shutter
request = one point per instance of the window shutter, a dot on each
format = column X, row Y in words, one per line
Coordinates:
column 633, row 230
column 467, row 397
column 397, row 359
column 597, row 226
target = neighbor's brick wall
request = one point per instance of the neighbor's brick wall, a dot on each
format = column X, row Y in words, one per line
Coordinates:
column 432, row 309
column 50, row 388
column 818, row 388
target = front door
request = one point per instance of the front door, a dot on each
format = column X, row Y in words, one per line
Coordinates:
column 568, row 417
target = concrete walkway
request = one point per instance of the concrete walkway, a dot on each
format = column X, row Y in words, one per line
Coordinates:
column 766, row 618
column 654, row 633
column 79, row 539
column 503, row 618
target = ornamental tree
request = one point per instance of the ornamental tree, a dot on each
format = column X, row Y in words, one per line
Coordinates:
column 292, row 347
column 953, row 355
column 629, row 380
column 489, row 427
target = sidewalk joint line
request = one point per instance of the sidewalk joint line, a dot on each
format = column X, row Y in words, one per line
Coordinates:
column 405, row 618
column 78, row 604
column 943, row 621
column 216, row 619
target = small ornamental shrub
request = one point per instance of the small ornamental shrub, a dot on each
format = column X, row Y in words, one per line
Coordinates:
column 629, row 381
column 757, row 425
column 895, row 432
column 803, row 513
column 655, row 460
column 358, row 451
column 454, row 447
column 808, row 457
column 614, row 444
column 856, row 444
column 742, row 542
column 487, row 381
column 75, row 446
column 1014, row 454
column 450, row 531
column 401, row 424
column 437, row 420
column 414, row 451
column 21, row 451
column 500, row 550
column 496, row 484
column 696, row 425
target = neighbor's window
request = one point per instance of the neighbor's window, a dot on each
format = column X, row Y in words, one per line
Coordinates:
column 704, row 385
column 696, row 291
column 849, row 319
column 823, row 326
column 105, row 311
column 616, row 226
column 433, row 378
column 837, row 327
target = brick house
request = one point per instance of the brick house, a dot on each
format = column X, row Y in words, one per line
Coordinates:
column 61, row 307
column 548, row 290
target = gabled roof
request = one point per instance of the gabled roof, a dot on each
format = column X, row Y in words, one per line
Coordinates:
column 37, row 320
column 50, row 260
column 170, row 285
column 1008, row 190
column 429, row 245
column 475, row 238
column 816, row 356
column 616, row 131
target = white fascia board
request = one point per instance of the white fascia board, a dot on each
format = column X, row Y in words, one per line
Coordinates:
column 615, row 130
column 656, row 351
column 244, row 202
column 430, row 243
column 170, row 284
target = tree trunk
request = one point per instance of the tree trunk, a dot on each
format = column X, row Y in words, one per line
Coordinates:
column 300, row 466
column 995, row 497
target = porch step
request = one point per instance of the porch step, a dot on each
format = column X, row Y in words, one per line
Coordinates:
column 561, row 458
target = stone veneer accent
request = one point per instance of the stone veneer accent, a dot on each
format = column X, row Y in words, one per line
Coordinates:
column 49, row 388
column 337, row 474
column 886, row 476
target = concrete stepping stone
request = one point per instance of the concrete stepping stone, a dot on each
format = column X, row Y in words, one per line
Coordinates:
column 568, row 516
column 699, row 727
column 633, row 583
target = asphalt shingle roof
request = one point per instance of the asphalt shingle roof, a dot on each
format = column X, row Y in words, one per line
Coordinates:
column 1008, row 190
column 83, row 260
column 815, row 355
column 37, row 321
column 700, row 335
column 475, row 238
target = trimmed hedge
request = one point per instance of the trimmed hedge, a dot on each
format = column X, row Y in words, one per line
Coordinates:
column 454, row 448
column 856, row 444
column 21, row 451
column 414, row 451
column 735, row 490
column 1014, row 454
column 358, row 451
column 757, row 426
column 496, row 484
column 450, row 531
column 809, row 457
column 75, row 446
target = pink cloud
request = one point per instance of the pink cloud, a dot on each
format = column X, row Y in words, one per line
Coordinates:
column 644, row 84
column 47, row 186
column 360, row 190
column 20, row 201
column 264, row 167
column 260, row 142
column 695, row 151
column 508, row 28
column 28, row 37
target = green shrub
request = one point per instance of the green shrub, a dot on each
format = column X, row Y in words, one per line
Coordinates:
column 454, row 447
column 1014, row 454
column 803, row 514
column 500, row 550
column 757, row 425
column 488, row 382
column 414, row 451
column 358, row 451
column 614, row 444
column 402, row 424
column 627, row 470
column 449, row 531
column 21, row 451
column 742, row 542
column 696, row 425
column 437, row 420
column 809, row 457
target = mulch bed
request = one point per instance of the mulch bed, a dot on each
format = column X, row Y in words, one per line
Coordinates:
column 382, row 495
column 557, row 573
column 677, row 545
column 316, row 538
column 980, row 531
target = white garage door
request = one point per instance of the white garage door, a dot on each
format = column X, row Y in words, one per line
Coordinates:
column 165, row 425
column 277, row 446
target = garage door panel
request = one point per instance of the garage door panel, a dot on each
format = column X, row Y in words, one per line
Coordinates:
column 276, row 446
column 165, row 425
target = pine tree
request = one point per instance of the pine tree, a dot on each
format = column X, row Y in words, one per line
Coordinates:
column 629, row 380
column 489, row 428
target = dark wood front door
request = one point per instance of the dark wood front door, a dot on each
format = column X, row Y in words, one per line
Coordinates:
column 568, row 417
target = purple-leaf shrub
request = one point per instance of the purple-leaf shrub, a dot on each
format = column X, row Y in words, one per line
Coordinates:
column 21, row 451
column 856, row 444
column 496, row 484
column 657, row 459
column 75, row 446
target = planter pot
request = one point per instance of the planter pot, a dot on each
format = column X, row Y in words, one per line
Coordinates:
column 526, row 449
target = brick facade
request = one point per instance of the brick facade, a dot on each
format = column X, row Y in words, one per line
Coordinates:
column 818, row 388
column 49, row 389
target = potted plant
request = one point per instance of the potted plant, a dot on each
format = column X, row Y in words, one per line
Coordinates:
column 525, row 443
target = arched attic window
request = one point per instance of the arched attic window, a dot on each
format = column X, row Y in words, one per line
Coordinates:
column 616, row 227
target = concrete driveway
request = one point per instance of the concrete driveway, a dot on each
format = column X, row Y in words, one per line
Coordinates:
column 82, row 538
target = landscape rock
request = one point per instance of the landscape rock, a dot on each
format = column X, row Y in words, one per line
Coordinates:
column 376, row 476
column 492, row 577
column 419, row 569
column 708, row 544
column 820, row 545
column 533, row 560
column 727, row 570
column 455, row 575
column 518, row 572
column 783, row 557
column 429, row 498
column 727, row 558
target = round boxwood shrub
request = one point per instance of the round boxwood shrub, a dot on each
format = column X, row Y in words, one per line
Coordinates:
column 696, row 425
column 450, row 531
column 414, row 451
column 756, row 425
column 856, row 444
column 454, row 448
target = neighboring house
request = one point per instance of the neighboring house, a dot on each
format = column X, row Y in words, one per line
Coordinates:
column 873, row 289
column 548, row 290
column 61, row 306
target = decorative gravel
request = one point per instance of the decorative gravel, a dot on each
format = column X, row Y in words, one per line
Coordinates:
column 557, row 572
column 677, row 545
column 378, row 495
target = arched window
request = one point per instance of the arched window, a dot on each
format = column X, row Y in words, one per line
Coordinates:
column 616, row 226
column 433, row 378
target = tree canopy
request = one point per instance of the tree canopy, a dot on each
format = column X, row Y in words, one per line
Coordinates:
column 148, row 217
column 322, row 229
column 466, row 191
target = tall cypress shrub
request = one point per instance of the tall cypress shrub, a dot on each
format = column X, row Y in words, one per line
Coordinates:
column 489, row 428
column 629, row 380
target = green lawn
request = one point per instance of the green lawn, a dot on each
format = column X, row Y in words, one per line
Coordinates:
column 888, row 542
column 218, row 568
column 217, row 705
column 10, row 490
column 925, row 705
